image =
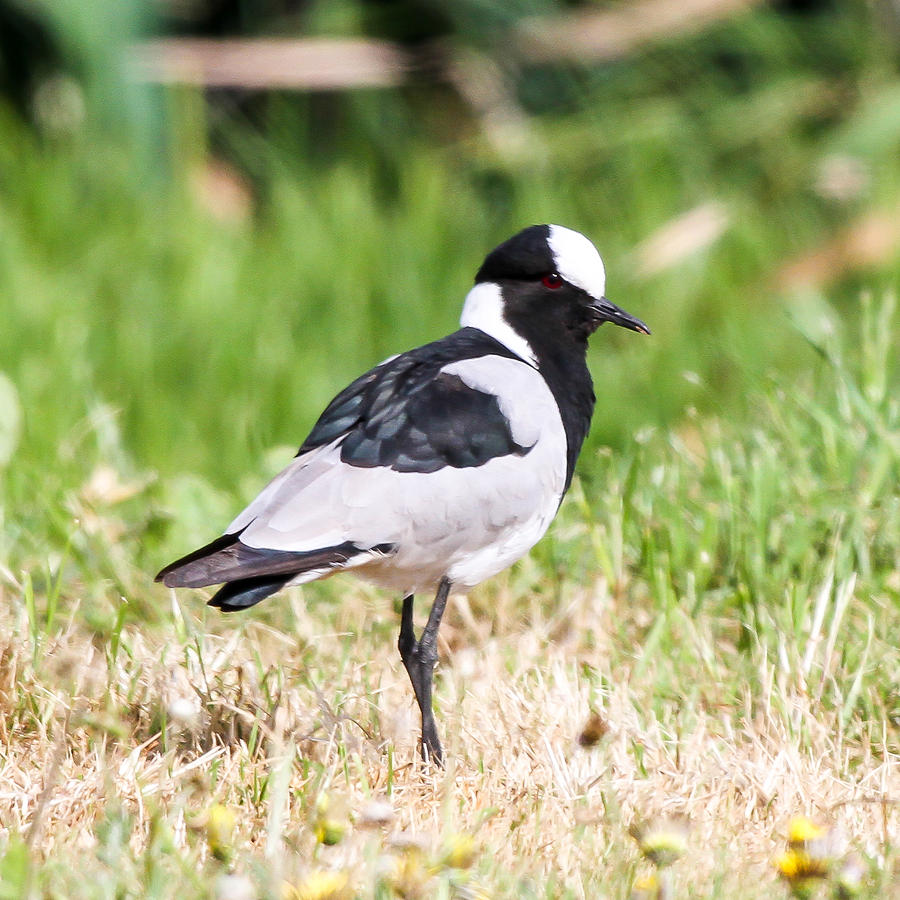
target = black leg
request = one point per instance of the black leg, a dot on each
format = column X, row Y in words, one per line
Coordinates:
column 419, row 657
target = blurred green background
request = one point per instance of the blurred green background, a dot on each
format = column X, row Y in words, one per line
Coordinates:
column 188, row 275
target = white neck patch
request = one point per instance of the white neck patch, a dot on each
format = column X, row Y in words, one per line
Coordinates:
column 483, row 310
column 577, row 260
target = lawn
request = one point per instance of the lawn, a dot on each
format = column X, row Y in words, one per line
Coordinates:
column 708, row 633
column 703, row 649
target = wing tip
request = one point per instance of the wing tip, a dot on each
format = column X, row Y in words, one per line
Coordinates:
column 220, row 562
column 177, row 573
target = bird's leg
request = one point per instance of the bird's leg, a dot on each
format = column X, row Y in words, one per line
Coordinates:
column 419, row 657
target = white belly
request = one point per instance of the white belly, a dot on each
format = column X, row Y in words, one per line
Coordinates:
column 474, row 538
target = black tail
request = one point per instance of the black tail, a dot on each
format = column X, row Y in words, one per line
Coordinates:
column 247, row 592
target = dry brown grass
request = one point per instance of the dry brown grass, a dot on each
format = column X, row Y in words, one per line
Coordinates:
column 185, row 718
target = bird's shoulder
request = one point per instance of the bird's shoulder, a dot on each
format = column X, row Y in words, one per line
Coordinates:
column 446, row 403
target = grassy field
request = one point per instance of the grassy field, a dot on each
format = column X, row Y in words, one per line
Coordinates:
column 705, row 645
column 714, row 603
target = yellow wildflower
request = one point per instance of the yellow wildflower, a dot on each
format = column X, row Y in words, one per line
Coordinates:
column 319, row 885
column 803, row 831
column 331, row 820
column 408, row 877
column 801, row 871
column 646, row 888
column 220, row 823
column 662, row 841
column 459, row 852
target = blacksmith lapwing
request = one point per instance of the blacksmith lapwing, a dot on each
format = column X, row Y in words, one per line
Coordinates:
column 441, row 466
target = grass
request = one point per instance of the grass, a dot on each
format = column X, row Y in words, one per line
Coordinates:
column 715, row 595
column 128, row 282
column 713, row 612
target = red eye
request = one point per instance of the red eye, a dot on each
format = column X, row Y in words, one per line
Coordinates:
column 552, row 281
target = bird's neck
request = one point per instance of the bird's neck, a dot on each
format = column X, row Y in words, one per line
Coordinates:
column 569, row 380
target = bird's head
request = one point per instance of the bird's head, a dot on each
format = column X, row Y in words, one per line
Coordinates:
column 544, row 287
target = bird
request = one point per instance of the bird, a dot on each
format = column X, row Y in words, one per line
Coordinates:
column 441, row 466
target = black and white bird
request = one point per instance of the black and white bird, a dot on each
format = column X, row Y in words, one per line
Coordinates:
column 442, row 466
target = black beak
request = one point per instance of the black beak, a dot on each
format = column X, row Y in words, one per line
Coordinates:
column 606, row 311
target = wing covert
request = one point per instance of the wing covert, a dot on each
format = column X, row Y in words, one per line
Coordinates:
column 411, row 416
